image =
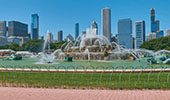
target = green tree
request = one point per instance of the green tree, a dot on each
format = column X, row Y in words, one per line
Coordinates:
column 157, row 44
column 33, row 45
column 14, row 46
column 4, row 47
column 57, row 45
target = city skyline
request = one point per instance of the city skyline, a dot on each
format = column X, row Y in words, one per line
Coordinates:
column 56, row 17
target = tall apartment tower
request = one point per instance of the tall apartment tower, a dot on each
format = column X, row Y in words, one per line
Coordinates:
column 139, row 33
column 16, row 28
column 60, row 36
column 106, row 23
column 3, row 28
column 152, row 14
column 51, row 37
column 35, row 26
column 154, row 23
column 76, row 30
column 125, row 33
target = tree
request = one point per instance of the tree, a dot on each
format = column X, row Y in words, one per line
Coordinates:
column 33, row 45
column 57, row 45
column 4, row 47
column 157, row 44
column 14, row 46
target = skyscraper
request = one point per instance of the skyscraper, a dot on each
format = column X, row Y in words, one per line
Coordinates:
column 139, row 33
column 51, row 37
column 152, row 14
column 151, row 36
column 106, row 23
column 155, row 26
column 16, row 28
column 168, row 32
column 94, row 26
column 154, row 23
column 3, row 28
column 60, row 36
column 76, row 30
column 35, row 26
column 69, row 38
column 161, row 34
column 125, row 33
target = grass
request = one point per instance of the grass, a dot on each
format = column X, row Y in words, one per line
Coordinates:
column 94, row 80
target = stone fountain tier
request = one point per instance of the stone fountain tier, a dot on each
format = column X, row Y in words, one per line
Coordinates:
column 93, row 48
column 82, row 56
column 120, row 56
column 96, row 56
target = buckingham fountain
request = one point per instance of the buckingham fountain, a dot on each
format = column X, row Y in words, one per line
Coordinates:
column 93, row 49
column 91, row 46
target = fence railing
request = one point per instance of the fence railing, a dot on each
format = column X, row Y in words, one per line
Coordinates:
column 85, row 77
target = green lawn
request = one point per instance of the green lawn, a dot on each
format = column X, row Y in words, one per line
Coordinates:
column 86, row 80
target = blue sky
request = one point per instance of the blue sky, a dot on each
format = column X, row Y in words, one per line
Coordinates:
column 58, row 15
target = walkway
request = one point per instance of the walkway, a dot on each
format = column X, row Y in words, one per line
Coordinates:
column 9, row 93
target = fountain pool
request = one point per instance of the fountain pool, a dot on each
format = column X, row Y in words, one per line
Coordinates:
column 32, row 63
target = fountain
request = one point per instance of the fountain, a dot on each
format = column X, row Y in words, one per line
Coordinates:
column 46, row 56
column 91, row 46
column 88, row 53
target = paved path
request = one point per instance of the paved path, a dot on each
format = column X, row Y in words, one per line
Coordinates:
column 9, row 93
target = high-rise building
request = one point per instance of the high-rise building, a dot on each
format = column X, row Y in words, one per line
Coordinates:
column 168, row 32
column 154, row 23
column 152, row 14
column 35, row 26
column 3, row 28
column 69, row 38
column 106, row 23
column 94, row 26
column 4, row 41
column 151, row 36
column 133, row 41
column 161, row 34
column 16, row 28
column 51, row 37
column 139, row 33
column 76, row 30
column 155, row 26
column 125, row 33
column 60, row 36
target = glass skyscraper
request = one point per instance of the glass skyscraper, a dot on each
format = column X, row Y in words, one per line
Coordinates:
column 76, row 30
column 155, row 26
column 60, row 36
column 106, row 23
column 3, row 28
column 35, row 26
column 16, row 28
column 139, row 33
column 125, row 33
column 152, row 14
column 160, row 34
column 154, row 23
